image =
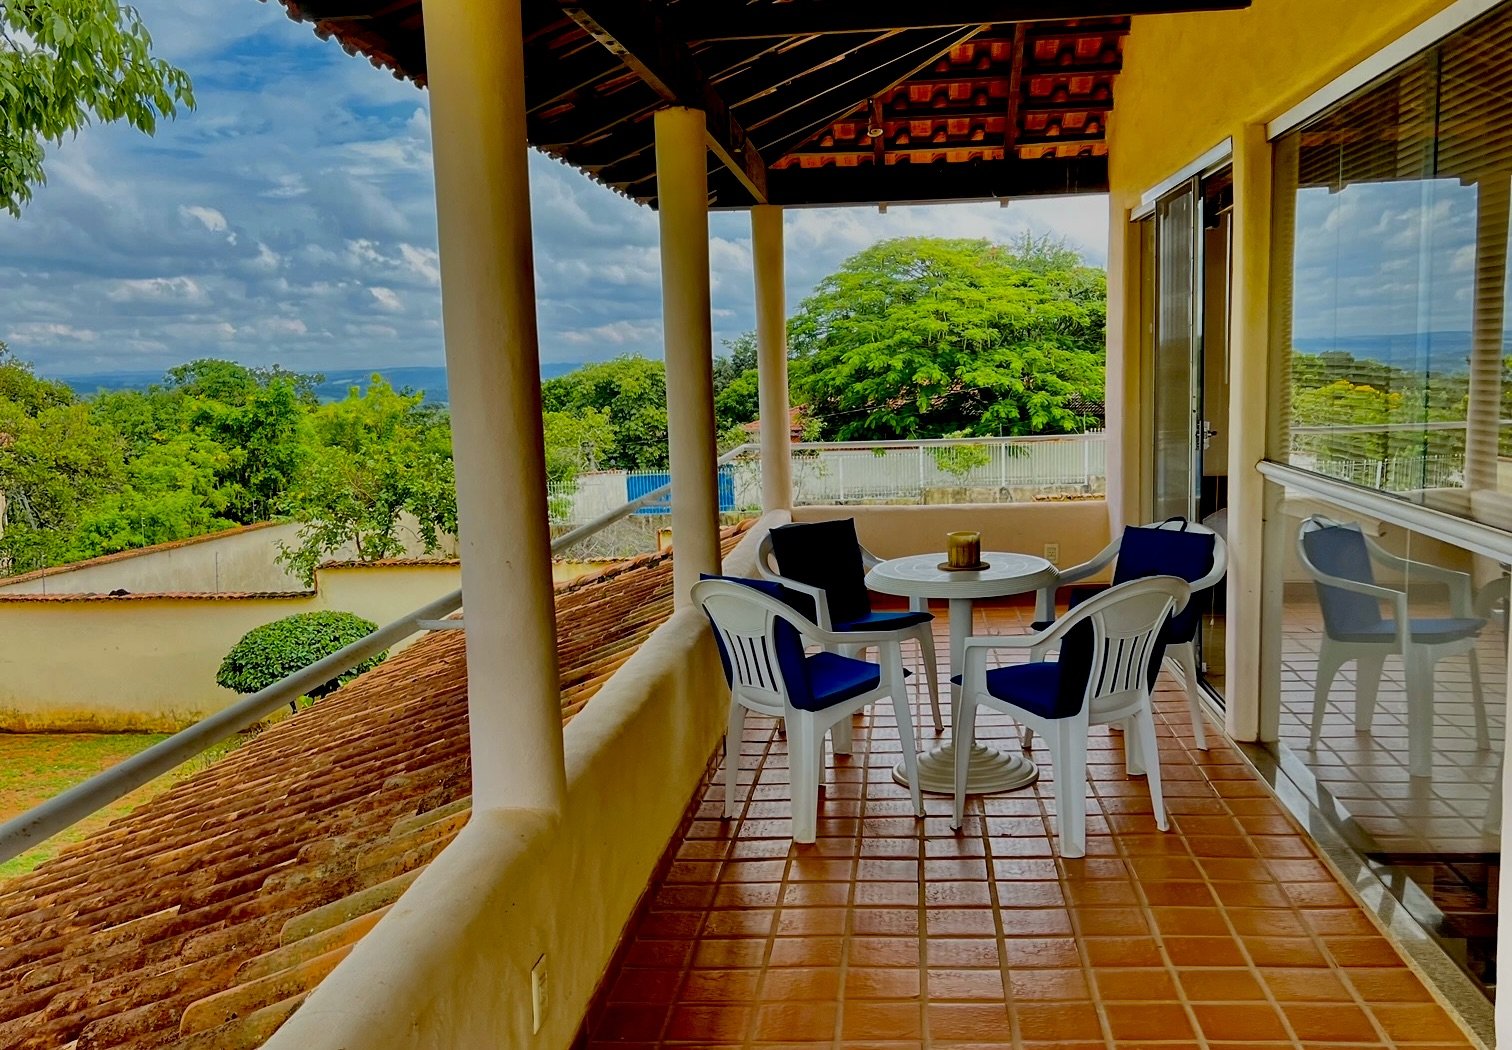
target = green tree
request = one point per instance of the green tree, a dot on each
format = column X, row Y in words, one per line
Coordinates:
column 270, row 653
column 381, row 464
column 736, row 392
column 632, row 392
column 65, row 63
column 921, row 337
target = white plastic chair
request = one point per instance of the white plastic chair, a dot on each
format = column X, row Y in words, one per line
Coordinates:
column 1181, row 654
column 766, row 569
column 1339, row 558
column 770, row 674
column 1125, row 621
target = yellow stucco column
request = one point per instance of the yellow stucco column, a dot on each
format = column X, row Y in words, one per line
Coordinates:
column 771, row 357
column 682, row 181
column 1483, row 423
column 1249, row 401
column 474, row 54
column 1122, row 403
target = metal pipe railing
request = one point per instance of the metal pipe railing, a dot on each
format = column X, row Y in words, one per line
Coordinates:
column 71, row 806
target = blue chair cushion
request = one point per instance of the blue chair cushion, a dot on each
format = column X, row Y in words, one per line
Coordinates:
column 833, row 679
column 1144, row 552
column 886, row 621
column 1039, row 687
column 1340, row 550
column 1430, row 631
column 786, row 639
column 827, row 555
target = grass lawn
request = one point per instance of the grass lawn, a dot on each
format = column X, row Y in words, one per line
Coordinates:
column 35, row 767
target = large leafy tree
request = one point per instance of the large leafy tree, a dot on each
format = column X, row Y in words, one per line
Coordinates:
column 632, row 392
column 923, row 337
column 65, row 63
column 381, row 466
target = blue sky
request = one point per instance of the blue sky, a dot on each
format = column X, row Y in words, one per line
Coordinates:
column 291, row 219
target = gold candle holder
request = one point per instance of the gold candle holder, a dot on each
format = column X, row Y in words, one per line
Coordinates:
column 963, row 550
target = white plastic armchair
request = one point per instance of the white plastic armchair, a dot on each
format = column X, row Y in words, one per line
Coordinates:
column 1348, row 634
column 1183, row 655
column 766, row 569
column 1126, row 621
column 745, row 621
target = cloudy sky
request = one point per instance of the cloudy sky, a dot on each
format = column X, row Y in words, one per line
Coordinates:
column 291, row 219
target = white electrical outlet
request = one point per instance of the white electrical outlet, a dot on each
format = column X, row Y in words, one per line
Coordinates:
column 537, row 994
column 1052, row 553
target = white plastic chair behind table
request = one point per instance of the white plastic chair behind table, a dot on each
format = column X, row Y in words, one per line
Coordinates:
column 923, row 634
column 769, row 674
column 1339, row 558
column 1124, row 622
column 1183, row 654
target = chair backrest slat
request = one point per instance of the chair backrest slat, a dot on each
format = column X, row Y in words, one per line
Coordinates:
column 1125, row 622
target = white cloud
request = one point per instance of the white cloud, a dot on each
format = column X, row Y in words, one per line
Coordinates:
column 209, row 218
column 387, row 299
column 47, row 333
column 157, row 289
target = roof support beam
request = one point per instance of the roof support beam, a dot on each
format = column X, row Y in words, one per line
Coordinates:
column 920, row 183
column 635, row 32
column 725, row 20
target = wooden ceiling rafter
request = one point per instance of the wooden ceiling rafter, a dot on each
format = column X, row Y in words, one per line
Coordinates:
column 1015, row 86
column 708, row 20
column 635, row 32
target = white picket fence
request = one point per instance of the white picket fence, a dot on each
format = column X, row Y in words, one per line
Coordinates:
column 975, row 470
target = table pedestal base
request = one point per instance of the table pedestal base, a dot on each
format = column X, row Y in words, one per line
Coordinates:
column 991, row 771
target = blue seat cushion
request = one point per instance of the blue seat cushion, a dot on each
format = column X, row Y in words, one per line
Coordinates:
column 1039, row 687
column 1340, row 550
column 1144, row 552
column 827, row 555
column 886, row 621
column 833, row 679
column 1427, row 631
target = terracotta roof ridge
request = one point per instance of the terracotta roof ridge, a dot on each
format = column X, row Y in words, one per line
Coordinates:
column 135, row 552
column 381, row 563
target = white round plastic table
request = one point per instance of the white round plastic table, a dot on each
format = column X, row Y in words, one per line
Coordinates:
column 919, row 577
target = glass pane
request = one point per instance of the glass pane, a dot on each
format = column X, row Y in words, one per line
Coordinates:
column 1174, row 333
column 1391, row 282
column 1395, row 702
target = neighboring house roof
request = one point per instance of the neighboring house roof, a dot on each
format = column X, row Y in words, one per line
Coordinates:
column 204, row 918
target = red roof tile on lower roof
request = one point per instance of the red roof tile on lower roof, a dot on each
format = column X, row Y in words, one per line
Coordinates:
column 206, row 916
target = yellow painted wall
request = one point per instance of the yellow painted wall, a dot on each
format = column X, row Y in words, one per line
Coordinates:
column 1079, row 527
column 150, row 663
column 449, row 966
column 1190, row 81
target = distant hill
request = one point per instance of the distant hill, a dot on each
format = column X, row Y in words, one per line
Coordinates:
column 1444, row 353
column 429, row 381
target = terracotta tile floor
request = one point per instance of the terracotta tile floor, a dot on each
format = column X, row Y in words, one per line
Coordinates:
column 888, row 932
column 1366, row 773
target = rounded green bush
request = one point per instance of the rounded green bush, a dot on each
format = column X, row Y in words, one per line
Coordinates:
column 276, row 650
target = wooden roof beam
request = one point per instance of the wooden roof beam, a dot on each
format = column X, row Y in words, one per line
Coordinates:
column 1007, row 179
column 725, row 20
column 635, row 32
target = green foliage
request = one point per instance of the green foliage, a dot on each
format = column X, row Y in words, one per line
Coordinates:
column 960, row 460
column 382, row 466
column 632, row 392
column 576, row 442
column 274, row 651
column 736, row 394
column 921, row 337
column 64, row 63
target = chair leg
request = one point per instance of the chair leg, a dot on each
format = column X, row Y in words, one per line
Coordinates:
column 1185, row 655
column 1068, row 744
column 805, row 770
column 1135, row 764
column 963, row 731
column 733, row 732
column 1368, row 671
column 1420, row 668
column 842, row 737
column 1482, row 729
column 903, row 714
column 1144, row 730
column 1329, row 661
column 931, row 673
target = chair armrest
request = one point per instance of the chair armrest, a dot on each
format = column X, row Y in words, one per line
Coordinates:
column 1461, row 587
column 870, row 561
column 821, row 600
column 1371, row 590
column 1099, row 562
